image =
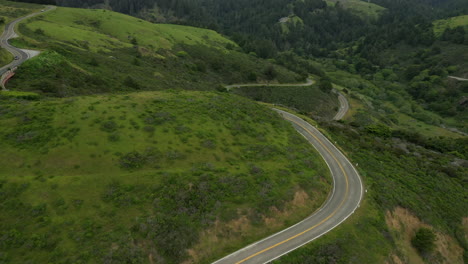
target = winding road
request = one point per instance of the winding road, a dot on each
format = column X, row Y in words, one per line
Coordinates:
column 344, row 105
column 21, row 55
column 347, row 186
column 345, row 199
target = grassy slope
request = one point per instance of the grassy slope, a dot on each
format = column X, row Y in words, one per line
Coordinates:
column 453, row 60
column 9, row 11
column 441, row 25
column 93, row 51
column 104, row 30
column 139, row 176
column 361, row 8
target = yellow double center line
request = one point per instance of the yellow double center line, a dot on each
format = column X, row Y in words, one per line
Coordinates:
column 321, row 222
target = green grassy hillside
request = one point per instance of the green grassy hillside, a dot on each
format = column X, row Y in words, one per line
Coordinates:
column 441, row 25
column 89, row 51
column 10, row 10
column 138, row 177
column 364, row 9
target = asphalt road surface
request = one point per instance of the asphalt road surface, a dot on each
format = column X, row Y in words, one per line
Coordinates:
column 344, row 200
column 9, row 33
column 344, row 107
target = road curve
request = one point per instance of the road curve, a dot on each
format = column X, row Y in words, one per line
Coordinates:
column 344, row 200
column 344, row 107
column 8, row 34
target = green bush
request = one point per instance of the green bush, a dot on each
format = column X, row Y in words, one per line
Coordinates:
column 424, row 241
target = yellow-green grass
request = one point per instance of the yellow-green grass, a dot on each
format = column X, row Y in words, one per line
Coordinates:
column 361, row 8
column 293, row 20
column 452, row 22
column 105, row 30
column 362, row 231
column 85, row 173
column 93, row 51
column 5, row 57
column 409, row 123
column 11, row 10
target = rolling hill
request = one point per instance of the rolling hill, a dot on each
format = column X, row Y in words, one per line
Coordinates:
column 91, row 51
column 147, row 176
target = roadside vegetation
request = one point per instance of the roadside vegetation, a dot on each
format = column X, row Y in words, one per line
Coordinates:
column 140, row 177
column 170, row 176
column 310, row 100
column 400, row 169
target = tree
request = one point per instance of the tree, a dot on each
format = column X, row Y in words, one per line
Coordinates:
column 424, row 241
column 325, row 85
column 270, row 73
column 130, row 82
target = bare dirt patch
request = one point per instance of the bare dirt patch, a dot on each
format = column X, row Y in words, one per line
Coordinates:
column 403, row 225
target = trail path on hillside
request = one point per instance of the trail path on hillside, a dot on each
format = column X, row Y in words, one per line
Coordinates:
column 458, row 78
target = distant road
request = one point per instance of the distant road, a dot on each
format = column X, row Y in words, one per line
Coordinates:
column 458, row 78
column 344, row 107
column 9, row 33
column 343, row 201
column 308, row 82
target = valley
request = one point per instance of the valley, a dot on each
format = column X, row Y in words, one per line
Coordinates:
column 189, row 140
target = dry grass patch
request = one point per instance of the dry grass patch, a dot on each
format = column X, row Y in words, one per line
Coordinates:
column 224, row 238
column 403, row 226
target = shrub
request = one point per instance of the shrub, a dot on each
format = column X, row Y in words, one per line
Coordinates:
column 424, row 241
column 132, row 160
column 109, row 126
column 325, row 85
column 130, row 82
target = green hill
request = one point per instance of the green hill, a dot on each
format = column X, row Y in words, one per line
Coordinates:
column 441, row 25
column 361, row 8
column 139, row 177
column 89, row 51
